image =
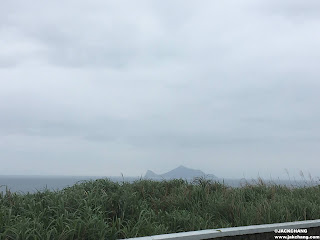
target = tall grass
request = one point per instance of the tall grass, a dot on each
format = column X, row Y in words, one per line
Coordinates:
column 103, row 209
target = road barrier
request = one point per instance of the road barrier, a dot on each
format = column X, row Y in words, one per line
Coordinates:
column 265, row 231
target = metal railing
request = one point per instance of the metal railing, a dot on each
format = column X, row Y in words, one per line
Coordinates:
column 234, row 231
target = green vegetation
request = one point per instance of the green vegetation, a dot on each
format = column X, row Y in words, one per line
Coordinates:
column 103, row 209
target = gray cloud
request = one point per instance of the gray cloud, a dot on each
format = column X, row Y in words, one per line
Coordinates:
column 157, row 84
column 293, row 9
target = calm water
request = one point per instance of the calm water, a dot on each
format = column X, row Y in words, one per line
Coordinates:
column 24, row 184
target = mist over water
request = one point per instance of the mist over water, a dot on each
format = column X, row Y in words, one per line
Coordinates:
column 32, row 184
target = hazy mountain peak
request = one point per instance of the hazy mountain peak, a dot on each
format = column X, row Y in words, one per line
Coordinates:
column 179, row 172
column 181, row 167
column 151, row 174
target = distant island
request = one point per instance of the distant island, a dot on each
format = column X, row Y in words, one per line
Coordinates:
column 179, row 172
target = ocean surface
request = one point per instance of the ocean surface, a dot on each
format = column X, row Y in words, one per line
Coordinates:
column 25, row 184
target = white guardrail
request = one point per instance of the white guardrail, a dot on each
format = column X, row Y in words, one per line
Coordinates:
column 234, row 231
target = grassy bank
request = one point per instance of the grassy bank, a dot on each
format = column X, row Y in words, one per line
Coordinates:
column 103, row 209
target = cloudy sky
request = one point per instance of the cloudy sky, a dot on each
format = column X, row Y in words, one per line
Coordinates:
column 109, row 87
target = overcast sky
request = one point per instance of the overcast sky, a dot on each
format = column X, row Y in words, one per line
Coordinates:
column 108, row 87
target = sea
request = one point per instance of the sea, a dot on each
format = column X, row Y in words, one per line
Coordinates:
column 32, row 184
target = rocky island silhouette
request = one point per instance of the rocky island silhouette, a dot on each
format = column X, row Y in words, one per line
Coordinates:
column 179, row 172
